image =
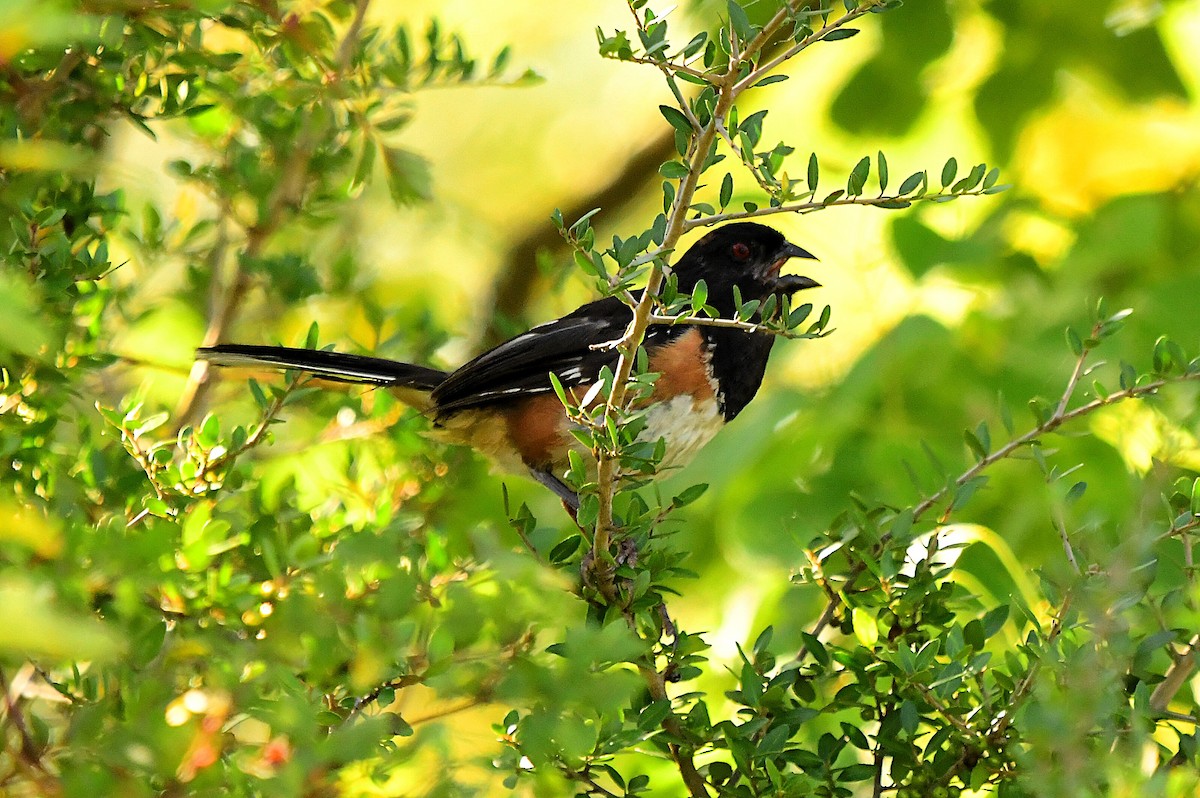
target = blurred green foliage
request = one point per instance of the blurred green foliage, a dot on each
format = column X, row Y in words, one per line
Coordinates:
column 202, row 599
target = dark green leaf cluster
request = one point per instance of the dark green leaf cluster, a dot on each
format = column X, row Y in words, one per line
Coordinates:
column 174, row 637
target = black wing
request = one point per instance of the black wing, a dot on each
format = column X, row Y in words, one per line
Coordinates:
column 521, row 366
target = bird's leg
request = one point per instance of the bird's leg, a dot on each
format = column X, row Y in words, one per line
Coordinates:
column 627, row 552
column 570, row 498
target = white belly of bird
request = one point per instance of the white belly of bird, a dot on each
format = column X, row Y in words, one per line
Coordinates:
column 686, row 424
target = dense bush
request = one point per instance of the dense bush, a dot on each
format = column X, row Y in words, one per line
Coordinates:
column 200, row 599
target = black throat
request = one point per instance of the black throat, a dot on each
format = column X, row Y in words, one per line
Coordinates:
column 738, row 362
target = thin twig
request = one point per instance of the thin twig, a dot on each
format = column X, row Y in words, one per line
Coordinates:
column 398, row 683
column 585, row 777
column 607, row 472
column 256, row 437
column 1051, row 424
column 673, row 66
column 823, row 621
column 808, row 41
column 731, row 324
column 14, row 715
column 946, row 713
column 772, row 189
column 1060, row 524
column 139, row 362
column 1182, row 667
column 810, row 206
column 1073, row 380
column 451, row 709
column 770, row 29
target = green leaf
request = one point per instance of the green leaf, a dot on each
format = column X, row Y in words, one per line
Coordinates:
column 965, row 491
column 859, row 772
column 751, row 684
column 689, row 495
column 751, row 128
column 696, row 44
column 677, row 119
column 993, row 621
column 1005, row 414
column 798, row 315
column 984, row 435
column 763, row 642
column 564, row 549
column 911, row 182
column 726, row 190
column 975, row 445
column 858, row 177
column 814, row 172
column 1074, row 341
column 881, row 169
column 408, row 176
column 910, row 717
column 840, row 33
column 559, row 390
column 972, row 179
column 653, row 714
column 365, row 166
column 260, row 398
column 865, row 628
column 816, row 648
column 769, row 79
column 902, row 524
column 209, row 434
column 673, row 170
column 949, row 171
column 738, row 21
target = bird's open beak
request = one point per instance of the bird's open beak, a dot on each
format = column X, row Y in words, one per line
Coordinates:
column 788, row 283
column 790, row 250
column 791, row 283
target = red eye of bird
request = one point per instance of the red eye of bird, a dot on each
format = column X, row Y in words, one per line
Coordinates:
column 740, row 251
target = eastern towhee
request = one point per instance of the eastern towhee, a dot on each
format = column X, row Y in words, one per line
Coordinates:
column 502, row 403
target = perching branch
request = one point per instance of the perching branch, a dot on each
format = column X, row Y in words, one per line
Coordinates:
column 728, row 85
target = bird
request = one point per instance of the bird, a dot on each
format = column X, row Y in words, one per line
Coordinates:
column 503, row 403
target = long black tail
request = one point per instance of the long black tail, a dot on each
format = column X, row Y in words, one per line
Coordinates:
column 326, row 365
